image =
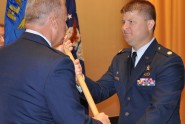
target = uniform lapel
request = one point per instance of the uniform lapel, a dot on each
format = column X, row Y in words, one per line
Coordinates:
column 122, row 70
column 126, row 70
column 145, row 60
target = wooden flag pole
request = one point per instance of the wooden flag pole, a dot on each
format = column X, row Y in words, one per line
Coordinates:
column 84, row 87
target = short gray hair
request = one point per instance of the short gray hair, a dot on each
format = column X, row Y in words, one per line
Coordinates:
column 38, row 10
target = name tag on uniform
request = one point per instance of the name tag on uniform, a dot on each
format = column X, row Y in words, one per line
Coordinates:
column 146, row 82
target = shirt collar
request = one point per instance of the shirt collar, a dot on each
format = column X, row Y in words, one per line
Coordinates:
column 35, row 32
column 142, row 50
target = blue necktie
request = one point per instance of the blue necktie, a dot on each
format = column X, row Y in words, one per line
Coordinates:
column 133, row 59
column 134, row 54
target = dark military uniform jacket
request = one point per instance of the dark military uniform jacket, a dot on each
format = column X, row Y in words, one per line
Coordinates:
column 37, row 85
column 151, row 93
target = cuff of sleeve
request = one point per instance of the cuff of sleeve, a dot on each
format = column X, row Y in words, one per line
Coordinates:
column 79, row 88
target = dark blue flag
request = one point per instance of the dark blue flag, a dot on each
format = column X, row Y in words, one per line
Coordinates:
column 14, row 20
column 73, row 28
column 72, row 22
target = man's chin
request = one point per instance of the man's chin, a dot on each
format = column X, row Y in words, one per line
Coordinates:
column 129, row 42
column 127, row 37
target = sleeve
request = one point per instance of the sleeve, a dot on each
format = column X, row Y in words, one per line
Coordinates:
column 62, row 95
column 104, row 87
column 165, row 100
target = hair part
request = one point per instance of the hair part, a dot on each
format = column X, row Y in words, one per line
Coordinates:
column 37, row 11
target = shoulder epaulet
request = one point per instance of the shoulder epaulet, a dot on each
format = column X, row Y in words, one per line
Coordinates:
column 124, row 50
column 164, row 51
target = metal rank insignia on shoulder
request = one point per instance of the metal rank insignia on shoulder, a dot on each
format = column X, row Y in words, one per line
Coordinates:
column 165, row 51
column 169, row 52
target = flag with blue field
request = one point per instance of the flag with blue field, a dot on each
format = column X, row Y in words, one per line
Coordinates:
column 73, row 28
column 14, row 20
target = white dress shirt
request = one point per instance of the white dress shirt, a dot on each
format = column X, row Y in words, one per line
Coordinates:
column 141, row 51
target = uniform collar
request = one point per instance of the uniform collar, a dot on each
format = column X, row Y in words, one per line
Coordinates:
column 37, row 33
column 142, row 50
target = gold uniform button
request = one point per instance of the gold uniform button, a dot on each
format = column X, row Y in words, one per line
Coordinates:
column 128, row 98
column 127, row 113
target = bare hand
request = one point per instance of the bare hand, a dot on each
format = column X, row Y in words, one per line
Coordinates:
column 1, row 41
column 102, row 117
column 66, row 44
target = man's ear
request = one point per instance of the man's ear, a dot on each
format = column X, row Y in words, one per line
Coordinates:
column 151, row 24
